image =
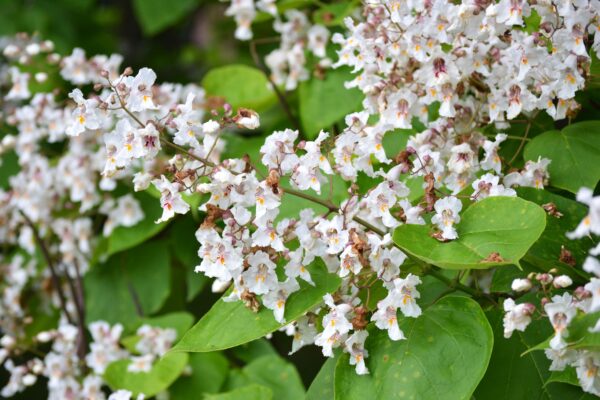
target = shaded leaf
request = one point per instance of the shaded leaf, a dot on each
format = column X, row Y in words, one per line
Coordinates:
column 208, row 373
column 575, row 155
column 163, row 373
column 275, row 373
column 111, row 287
column 156, row 15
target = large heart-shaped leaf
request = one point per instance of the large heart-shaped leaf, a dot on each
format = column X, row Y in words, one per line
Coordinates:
column 163, row 373
column 504, row 225
column 445, row 354
column 240, row 85
column 575, row 155
column 231, row 324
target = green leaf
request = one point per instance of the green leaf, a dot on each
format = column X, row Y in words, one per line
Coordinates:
column 231, row 324
column 444, row 356
column 9, row 166
column 180, row 321
column 110, row 288
column 575, row 155
column 506, row 225
column 326, row 101
column 545, row 253
column 250, row 392
column 321, row 387
column 209, row 371
column 275, row 373
column 156, row 15
column 186, row 252
column 240, row 86
column 517, row 373
column 579, row 335
column 334, row 14
column 163, row 373
column 123, row 238
column 250, row 351
column 568, row 375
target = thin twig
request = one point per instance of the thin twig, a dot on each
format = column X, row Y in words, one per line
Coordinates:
column 524, row 139
column 53, row 273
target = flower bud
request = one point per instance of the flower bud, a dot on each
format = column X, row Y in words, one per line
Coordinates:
column 246, row 118
column 41, row 77
column 128, row 71
column 219, row 286
column 29, row 379
column 562, row 281
column 521, row 285
column 8, row 341
column 544, row 278
column 44, row 337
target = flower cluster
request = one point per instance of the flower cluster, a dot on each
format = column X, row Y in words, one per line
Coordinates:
column 288, row 62
column 67, row 376
column 564, row 309
column 490, row 60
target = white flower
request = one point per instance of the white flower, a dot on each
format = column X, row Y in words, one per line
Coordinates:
column 588, row 372
column 276, row 299
column 140, row 96
column 591, row 222
column 355, row 345
column 594, row 288
column 446, row 216
column 562, row 281
column 260, row 277
column 170, row 199
column 84, row 116
column 560, row 313
column 517, row 316
column 386, row 318
column 521, row 285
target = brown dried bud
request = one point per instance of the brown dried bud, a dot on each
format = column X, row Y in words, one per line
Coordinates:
column 493, row 257
column 430, row 196
column 566, row 257
column 551, row 209
column 213, row 214
column 438, row 235
column 250, row 301
column 128, row 71
column 359, row 321
column 273, row 180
